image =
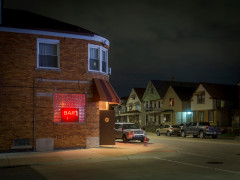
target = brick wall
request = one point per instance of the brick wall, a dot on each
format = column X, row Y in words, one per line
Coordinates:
column 24, row 97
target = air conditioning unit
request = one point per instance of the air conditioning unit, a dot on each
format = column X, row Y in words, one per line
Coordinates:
column 109, row 71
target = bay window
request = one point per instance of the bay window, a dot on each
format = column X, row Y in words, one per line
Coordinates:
column 97, row 58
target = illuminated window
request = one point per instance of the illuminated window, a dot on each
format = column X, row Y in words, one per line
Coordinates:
column 48, row 53
column 69, row 108
column 98, row 58
column 171, row 102
column 137, row 107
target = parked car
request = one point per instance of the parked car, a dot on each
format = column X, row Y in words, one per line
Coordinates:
column 168, row 130
column 200, row 129
column 129, row 131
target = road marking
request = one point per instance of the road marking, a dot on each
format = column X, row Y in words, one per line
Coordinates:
column 189, row 164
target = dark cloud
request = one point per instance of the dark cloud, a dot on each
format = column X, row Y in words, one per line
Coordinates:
column 192, row 40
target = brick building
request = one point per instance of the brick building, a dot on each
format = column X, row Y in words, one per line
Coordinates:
column 54, row 82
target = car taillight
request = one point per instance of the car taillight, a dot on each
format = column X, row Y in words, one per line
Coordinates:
column 207, row 128
column 130, row 133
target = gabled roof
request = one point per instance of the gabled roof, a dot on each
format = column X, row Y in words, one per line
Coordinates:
column 184, row 93
column 124, row 98
column 222, row 91
column 162, row 86
column 139, row 92
column 28, row 20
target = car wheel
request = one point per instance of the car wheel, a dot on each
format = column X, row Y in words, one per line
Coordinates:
column 158, row 133
column 183, row 134
column 124, row 138
column 168, row 133
column 201, row 134
column 142, row 140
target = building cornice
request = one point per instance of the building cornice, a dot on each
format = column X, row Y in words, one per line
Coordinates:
column 57, row 34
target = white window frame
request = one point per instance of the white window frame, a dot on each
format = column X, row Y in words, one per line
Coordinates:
column 100, row 49
column 48, row 41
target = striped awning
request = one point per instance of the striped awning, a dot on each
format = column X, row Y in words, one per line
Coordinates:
column 103, row 91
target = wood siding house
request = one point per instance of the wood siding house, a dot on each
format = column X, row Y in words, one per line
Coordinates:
column 121, row 109
column 176, row 105
column 134, row 106
column 214, row 103
column 153, row 110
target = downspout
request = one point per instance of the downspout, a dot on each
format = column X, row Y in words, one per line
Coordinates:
column 34, row 123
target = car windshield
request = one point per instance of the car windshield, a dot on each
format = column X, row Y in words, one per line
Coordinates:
column 130, row 126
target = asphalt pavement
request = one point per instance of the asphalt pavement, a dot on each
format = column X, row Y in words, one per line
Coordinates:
column 117, row 151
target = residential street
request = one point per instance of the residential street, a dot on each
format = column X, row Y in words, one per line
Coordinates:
column 163, row 158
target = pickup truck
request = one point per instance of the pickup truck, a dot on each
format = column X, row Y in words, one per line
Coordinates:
column 200, row 129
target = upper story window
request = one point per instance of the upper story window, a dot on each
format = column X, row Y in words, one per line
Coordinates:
column 171, row 102
column 97, row 58
column 201, row 98
column 137, row 107
column 48, row 53
column 151, row 91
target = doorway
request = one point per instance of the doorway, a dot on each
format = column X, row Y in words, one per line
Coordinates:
column 107, row 124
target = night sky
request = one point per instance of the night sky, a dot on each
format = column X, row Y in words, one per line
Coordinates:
column 192, row 40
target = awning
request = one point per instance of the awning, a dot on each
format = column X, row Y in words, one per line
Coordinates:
column 103, row 91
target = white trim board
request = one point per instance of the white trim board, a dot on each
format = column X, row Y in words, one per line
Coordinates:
column 58, row 34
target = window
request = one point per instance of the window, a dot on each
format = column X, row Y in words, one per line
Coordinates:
column 171, row 102
column 151, row 104
column 98, row 58
column 104, row 61
column 210, row 116
column 69, row 108
column 48, row 54
column 151, row 91
column 21, row 142
column 201, row 98
column 146, row 104
column 130, row 107
column 200, row 116
column 167, row 117
column 137, row 107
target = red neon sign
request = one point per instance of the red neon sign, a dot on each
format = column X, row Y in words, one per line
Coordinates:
column 70, row 114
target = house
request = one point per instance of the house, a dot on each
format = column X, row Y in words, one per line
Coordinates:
column 121, row 109
column 134, row 106
column 176, row 105
column 54, row 84
column 153, row 111
column 214, row 103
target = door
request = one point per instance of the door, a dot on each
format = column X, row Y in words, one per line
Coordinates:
column 107, row 125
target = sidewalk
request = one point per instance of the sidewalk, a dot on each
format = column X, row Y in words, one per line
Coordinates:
column 80, row 155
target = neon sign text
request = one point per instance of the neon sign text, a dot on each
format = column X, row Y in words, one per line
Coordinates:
column 70, row 114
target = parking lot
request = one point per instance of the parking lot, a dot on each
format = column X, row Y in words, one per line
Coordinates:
column 162, row 158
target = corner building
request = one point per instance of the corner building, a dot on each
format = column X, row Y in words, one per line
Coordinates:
column 54, row 83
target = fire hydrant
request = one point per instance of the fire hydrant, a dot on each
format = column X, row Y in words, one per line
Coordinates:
column 145, row 141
